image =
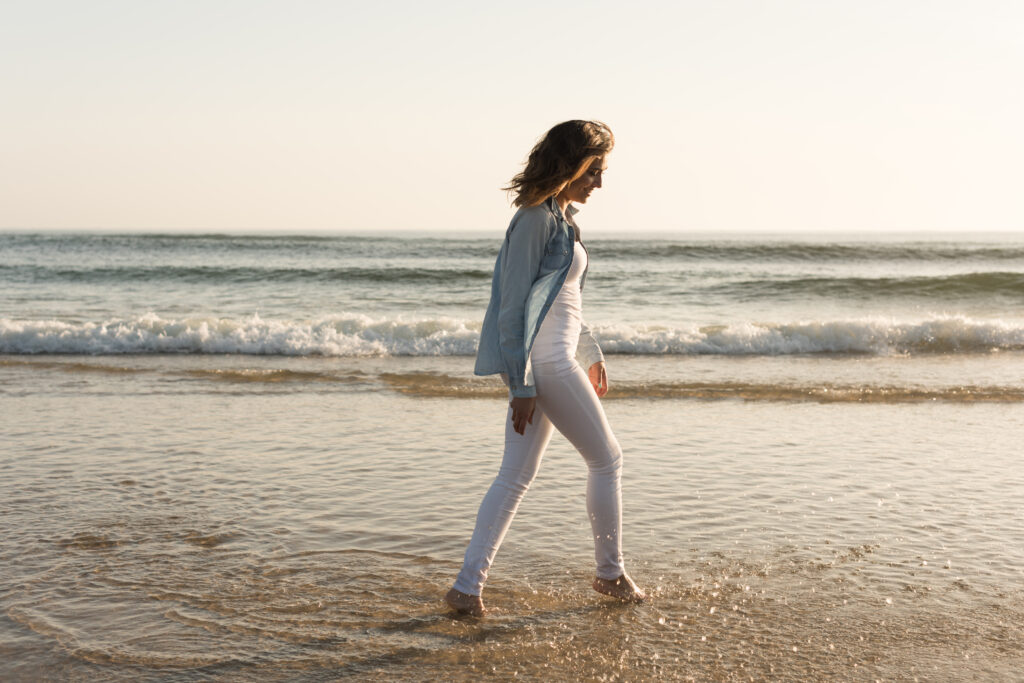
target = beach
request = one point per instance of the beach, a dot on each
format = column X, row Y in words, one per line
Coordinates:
column 259, row 458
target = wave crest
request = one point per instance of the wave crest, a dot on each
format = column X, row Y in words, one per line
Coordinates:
column 333, row 336
column 874, row 336
column 361, row 335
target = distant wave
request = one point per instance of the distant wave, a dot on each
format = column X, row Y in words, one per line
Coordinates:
column 928, row 286
column 797, row 252
column 360, row 335
column 949, row 287
column 786, row 250
column 236, row 275
column 193, row 245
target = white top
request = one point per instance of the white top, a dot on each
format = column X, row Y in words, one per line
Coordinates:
column 559, row 333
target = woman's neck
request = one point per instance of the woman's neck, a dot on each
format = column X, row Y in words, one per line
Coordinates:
column 563, row 202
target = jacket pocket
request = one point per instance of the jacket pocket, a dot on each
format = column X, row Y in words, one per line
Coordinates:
column 556, row 253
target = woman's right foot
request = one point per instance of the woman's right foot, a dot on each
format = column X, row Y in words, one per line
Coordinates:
column 622, row 588
column 464, row 603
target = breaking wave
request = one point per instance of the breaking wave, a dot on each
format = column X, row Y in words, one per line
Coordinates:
column 361, row 335
column 334, row 336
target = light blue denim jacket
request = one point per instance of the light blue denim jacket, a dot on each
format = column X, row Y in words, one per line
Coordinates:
column 531, row 267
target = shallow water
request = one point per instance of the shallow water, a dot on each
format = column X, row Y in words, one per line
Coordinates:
column 174, row 518
column 260, row 457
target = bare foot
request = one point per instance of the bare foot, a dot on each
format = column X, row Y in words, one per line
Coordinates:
column 464, row 603
column 622, row 588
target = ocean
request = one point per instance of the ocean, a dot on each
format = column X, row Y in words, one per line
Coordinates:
column 259, row 457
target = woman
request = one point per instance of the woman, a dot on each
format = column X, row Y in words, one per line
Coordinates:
column 532, row 334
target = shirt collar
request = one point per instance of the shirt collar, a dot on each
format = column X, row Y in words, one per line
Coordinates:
column 569, row 209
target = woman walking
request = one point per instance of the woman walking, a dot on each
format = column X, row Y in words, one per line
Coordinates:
column 533, row 333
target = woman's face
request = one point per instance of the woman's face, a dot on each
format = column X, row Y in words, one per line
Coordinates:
column 579, row 190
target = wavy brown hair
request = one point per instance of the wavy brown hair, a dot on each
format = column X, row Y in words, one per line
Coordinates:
column 562, row 155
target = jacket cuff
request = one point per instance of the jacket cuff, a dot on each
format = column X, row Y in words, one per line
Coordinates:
column 588, row 354
column 524, row 391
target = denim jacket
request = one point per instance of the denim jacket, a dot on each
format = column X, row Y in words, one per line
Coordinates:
column 531, row 267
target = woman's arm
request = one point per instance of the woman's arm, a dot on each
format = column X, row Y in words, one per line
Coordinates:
column 527, row 237
column 589, row 355
column 599, row 378
column 522, row 412
column 588, row 351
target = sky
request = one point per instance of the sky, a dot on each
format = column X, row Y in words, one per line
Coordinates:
column 818, row 116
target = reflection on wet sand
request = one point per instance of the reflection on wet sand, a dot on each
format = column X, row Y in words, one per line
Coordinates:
column 378, row 615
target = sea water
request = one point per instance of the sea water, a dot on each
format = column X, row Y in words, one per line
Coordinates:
column 260, row 457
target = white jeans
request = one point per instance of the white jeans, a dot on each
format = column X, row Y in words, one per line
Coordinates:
column 565, row 400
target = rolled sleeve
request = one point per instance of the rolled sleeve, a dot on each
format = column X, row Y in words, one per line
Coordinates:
column 588, row 351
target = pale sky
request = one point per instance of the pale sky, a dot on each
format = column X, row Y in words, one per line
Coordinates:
column 824, row 116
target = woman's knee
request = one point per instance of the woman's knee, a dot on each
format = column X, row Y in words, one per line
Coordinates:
column 515, row 480
column 608, row 460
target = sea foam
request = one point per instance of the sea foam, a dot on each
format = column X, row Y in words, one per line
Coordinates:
column 874, row 336
column 400, row 335
column 332, row 336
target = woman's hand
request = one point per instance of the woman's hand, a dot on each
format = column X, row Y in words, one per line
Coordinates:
column 599, row 378
column 522, row 412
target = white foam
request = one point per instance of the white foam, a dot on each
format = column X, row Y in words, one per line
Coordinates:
column 356, row 335
column 876, row 336
column 400, row 335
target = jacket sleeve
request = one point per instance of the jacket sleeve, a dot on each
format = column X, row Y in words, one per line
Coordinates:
column 527, row 237
column 588, row 351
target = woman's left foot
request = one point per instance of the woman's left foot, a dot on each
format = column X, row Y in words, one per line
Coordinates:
column 622, row 588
